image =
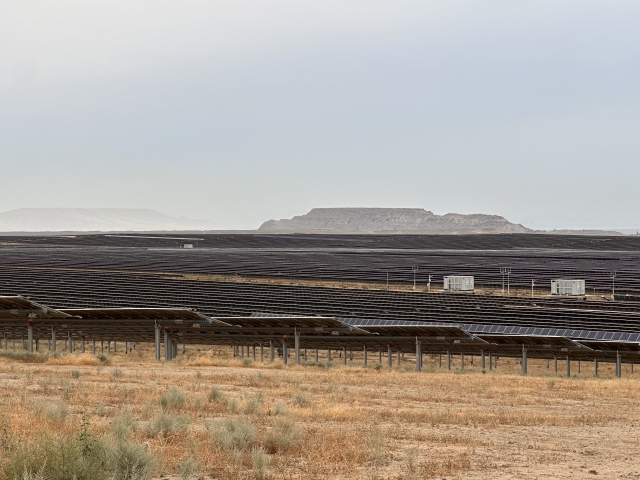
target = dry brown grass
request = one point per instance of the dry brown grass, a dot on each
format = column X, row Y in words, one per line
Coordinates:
column 352, row 422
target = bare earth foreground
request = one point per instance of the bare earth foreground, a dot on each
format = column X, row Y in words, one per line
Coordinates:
column 264, row 420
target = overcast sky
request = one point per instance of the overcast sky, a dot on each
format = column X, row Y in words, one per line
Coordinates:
column 241, row 111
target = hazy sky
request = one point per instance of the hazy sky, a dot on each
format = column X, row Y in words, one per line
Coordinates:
column 243, row 111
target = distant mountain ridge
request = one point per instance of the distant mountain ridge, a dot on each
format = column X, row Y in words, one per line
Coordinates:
column 391, row 220
column 95, row 220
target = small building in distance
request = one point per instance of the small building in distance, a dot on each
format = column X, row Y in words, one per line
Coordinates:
column 458, row 283
column 567, row 287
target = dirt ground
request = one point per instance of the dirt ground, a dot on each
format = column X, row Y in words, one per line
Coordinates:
column 353, row 422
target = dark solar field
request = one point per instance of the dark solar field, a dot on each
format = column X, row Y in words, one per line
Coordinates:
column 364, row 258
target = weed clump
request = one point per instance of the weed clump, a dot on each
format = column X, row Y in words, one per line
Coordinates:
column 56, row 411
column 166, row 424
column 216, row 395
column 300, row 400
column 171, row 399
column 252, row 404
column 284, row 434
column 232, row 433
column 123, row 425
column 260, row 463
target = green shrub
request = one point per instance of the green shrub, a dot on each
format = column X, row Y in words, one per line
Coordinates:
column 166, row 424
column 284, row 434
column 171, row 399
column 130, row 461
column 216, row 395
column 102, row 357
column 188, row 469
column 252, row 404
column 123, row 425
column 260, row 463
column 57, row 411
column 279, row 408
column 75, row 373
column 232, row 433
column 232, row 405
column 300, row 400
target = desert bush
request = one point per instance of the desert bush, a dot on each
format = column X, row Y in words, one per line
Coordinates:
column 216, row 395
column 279, row 408
column 56, row 411
column 188, row 469
column 260, row 463
column 374, row 447
column 232, row 433
column 166, row 424
column 253, row 403
column 232, row 405
column 300, row 400
column 284, row 434
column 130, row 461
column 123, row 425
column 75, row 373
column 103, row 357
column 171, row 399
column 117, row 373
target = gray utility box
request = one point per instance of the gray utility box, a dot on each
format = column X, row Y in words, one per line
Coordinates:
column 458, row 283
column 567, row 287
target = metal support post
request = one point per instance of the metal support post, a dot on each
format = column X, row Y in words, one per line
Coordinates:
column 440, row 360
column 29, row 337
column 578, row 366
column 261, row 352
column 595, row 367
column 101, row 345
column 93, row 346
column 389, row 356
column 524, row 359
column 448, row 360
column 399, row 353
column 482, row 359
column 379, row 357
column 618, row 365
column 157, row 342
column 417, row 355
column 462, row 361
column 304, row 354
column 344, row 355
column 253, row 351
column 82, row 345
column 364, row 353
column 317, row 357
column 329, row 355
column 547, row 363
column 297, row 347
column 555, row 363
column 53, row 339
column 272, row 351
column 285, row 354
column 568, row 367
column 167, row 348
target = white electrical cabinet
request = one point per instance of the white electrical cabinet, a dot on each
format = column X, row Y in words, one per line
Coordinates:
column 458, row 283
column 567, row 287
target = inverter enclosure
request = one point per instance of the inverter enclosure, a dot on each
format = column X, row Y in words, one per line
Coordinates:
column 567, row 287
column 458, row 283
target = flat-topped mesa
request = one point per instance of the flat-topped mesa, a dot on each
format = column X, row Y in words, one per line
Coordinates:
column 391, row 220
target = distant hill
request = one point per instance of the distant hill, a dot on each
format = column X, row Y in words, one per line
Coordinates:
column 391, row 220
column 94, row 220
